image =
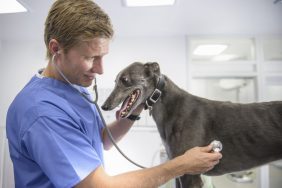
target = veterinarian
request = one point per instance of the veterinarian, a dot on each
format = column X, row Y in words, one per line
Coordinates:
column 56, row 138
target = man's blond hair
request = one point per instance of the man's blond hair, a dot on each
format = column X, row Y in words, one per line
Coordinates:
column 73, row 21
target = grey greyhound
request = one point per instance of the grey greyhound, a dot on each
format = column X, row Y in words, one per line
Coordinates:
column 251, row 134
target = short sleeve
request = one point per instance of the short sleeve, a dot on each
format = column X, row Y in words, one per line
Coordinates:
column 62, row 150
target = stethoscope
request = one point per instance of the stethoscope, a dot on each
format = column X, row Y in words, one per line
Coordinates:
column 97, row 107
column 216, row 145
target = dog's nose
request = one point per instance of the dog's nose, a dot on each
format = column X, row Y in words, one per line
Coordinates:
column 105, row 107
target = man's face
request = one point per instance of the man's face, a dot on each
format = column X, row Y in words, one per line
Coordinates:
column 81, row 64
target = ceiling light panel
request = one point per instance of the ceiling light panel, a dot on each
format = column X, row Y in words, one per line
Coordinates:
column 142, row 3
column 209, row 49
column 11, row 6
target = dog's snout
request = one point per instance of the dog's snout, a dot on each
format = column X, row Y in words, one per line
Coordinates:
column 105, row 107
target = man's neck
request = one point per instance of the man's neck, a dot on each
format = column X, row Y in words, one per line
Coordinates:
column 50, row 72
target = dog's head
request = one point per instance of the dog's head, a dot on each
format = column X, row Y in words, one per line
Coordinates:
column 133, row 85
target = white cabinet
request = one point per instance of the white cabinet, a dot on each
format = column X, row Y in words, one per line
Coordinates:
column 2, row 149
column 6, row 170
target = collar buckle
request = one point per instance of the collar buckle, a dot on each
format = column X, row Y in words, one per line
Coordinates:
column 155, row 96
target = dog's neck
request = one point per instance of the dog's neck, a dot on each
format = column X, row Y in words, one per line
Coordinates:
column 168, row 105
column 170, row 92
column 156, row 95
column 168, row 95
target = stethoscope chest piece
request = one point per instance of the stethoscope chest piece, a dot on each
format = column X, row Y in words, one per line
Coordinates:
column 216, row 146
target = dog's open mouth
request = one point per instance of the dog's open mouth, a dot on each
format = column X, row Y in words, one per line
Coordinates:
column 128, row 103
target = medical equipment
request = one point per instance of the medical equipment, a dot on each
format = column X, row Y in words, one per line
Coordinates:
column 216, row 146
column 97, row 107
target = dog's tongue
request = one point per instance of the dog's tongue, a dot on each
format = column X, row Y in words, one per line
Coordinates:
column 118, row 114
column 123, row 108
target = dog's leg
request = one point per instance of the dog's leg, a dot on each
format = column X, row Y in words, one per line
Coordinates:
column 189, row 181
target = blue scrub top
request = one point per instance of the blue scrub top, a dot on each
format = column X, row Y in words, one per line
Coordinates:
column 54, row 135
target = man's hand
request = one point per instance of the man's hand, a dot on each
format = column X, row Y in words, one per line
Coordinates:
column 200, row 159
column 138, row 109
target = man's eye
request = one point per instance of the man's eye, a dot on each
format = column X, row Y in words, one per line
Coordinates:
column 90, row 58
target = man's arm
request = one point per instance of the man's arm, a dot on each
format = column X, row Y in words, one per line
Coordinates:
column 194, row 161
column 118, row 129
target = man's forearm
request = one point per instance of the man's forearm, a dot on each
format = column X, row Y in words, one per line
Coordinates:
column 144, row 178
column 151, row 177
column 194, row 161
column 118, row 129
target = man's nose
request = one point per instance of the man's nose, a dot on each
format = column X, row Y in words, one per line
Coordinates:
column 98, row 67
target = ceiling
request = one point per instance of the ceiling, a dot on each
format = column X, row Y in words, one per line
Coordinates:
column 187, row 17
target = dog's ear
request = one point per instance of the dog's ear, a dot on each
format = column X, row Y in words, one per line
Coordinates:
column 152, row 68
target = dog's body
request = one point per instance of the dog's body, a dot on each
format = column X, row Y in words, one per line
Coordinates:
column 251, row 134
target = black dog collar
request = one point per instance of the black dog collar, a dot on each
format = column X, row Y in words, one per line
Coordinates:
column 133, row 117
column 155, row 96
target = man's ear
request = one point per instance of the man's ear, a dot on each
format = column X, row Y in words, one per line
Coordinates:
column 54, row 46
column 152, row 68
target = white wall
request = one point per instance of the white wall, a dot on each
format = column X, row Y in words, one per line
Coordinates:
column 169, row 52
column 2, row 144
column 18, row 62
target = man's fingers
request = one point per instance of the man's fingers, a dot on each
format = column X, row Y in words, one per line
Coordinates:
column 206, row 148
column 212, row 165
column 215, row 162
column 210, row 168
column 217, row 155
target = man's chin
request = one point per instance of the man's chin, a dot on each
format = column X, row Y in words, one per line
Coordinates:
column 86, row 84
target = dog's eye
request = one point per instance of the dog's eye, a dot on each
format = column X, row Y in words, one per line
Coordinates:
column 125, row 80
